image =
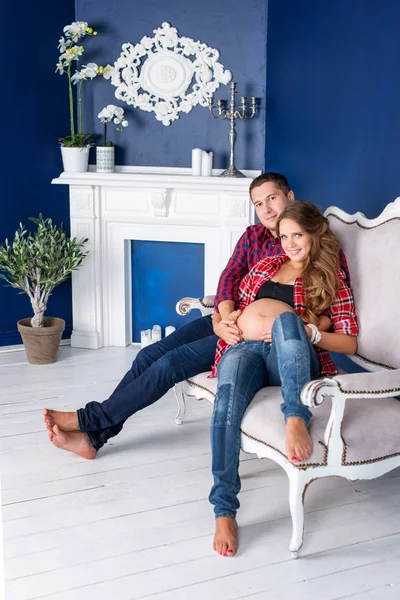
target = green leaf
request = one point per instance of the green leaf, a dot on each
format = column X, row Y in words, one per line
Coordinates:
column 45, row 258
column 79, row 140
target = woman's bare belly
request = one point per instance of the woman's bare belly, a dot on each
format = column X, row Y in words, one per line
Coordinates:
column 259, row 316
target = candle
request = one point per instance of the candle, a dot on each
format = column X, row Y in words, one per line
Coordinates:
column 169, row 329
column 196, row 161
column 156, row 333
column 145, row 338
column 206, row 164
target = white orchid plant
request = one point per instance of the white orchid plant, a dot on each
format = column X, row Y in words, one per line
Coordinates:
column 71, row 50
column 116, row 115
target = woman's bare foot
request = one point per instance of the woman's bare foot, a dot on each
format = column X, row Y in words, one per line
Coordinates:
column 225, row 538
column 298, row 440
column 73, row 441
column 67, row 421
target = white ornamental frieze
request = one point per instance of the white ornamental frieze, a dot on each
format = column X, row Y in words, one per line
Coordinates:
column 167, row 74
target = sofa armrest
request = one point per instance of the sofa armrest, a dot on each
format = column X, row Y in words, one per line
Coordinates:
column 204, row 305
column 340, row 389
column 380, row 384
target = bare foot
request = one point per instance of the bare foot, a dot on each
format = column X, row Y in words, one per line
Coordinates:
column 67, row 421
column 72, row 441
column 298, row 440
column 225, row 538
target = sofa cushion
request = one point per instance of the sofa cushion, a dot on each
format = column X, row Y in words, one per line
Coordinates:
column 370, row 429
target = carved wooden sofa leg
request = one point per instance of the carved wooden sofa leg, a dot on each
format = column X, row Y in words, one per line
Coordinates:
column 298, row 483
column 180, row 398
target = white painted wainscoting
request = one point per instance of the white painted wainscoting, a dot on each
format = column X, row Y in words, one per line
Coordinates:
column 150, row 204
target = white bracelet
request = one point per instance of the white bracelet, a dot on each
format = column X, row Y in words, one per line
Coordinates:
column 316, row 334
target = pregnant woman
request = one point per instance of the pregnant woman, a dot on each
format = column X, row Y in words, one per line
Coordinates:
column 281, row 301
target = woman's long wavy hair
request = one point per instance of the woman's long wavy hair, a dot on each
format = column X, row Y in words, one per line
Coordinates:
column 320, row 277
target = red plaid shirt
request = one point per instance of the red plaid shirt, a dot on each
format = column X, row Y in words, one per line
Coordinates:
column 255, row 244
column 341, row 312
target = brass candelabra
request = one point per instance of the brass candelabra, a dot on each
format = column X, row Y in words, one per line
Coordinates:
column 232, row 114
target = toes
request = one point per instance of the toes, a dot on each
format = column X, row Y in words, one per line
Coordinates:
column 221, row 548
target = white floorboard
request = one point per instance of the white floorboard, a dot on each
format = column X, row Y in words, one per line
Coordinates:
column 136, row 522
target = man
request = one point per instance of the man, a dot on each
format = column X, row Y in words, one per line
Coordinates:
column 188, row 351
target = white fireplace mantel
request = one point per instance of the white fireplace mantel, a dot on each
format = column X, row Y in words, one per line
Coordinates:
column 144, row 203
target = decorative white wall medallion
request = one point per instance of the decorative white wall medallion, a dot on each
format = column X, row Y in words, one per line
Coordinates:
column 168, row 74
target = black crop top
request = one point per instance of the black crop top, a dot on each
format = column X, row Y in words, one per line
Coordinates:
column 278, row 291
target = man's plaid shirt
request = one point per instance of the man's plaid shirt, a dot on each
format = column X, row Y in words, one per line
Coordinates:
column 341, row 312
column 255, row 244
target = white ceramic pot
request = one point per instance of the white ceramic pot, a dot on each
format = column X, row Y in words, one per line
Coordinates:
column 105, row 159
column 75, row 160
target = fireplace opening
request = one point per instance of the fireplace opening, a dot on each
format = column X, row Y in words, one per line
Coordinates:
column 162, row 274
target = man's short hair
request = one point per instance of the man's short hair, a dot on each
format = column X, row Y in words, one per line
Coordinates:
column 277, row 178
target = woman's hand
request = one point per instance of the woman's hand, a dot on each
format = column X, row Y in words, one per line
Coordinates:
column 266, row 335
column 227, row 328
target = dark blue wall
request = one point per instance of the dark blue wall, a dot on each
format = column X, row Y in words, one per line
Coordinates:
column 34, row 109
column 333, row 100
column 238, row 31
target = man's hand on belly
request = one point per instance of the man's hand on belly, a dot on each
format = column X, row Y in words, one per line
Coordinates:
column 227, row 328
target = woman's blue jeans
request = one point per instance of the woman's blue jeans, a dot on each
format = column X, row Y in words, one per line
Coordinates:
column 289, row 361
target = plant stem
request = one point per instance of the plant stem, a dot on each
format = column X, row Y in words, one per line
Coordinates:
column 80, row 107
column 105, row 132
column 71, row 102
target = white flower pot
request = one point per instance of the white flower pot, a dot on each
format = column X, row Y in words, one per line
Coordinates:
column 75, row 160
column 105, row 159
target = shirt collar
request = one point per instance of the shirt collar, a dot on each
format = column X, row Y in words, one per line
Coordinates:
column 269, row 235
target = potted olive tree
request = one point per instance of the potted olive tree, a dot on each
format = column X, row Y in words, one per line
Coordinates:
column 36, row 264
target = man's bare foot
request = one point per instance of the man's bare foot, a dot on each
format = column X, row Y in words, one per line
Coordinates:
column 72, row 441
column 298, row 440
column 225, row 538
column 67, row 421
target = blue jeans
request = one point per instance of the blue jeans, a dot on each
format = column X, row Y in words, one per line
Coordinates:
column 186, row 352
column 289, row 361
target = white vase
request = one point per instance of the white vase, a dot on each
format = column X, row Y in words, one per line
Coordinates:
column 75, row 160
column 105, row 159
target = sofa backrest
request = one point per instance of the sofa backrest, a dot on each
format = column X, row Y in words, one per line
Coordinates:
column 372, row 249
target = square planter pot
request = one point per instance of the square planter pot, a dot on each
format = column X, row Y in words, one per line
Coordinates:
column 105, row 159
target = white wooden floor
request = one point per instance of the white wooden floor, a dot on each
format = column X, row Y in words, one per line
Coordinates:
column 136, row 523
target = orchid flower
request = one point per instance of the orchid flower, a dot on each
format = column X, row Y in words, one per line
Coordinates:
column 112, row 113
column 70, row 50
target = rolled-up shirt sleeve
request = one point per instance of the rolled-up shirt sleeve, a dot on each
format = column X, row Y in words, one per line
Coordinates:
column 342, row 312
